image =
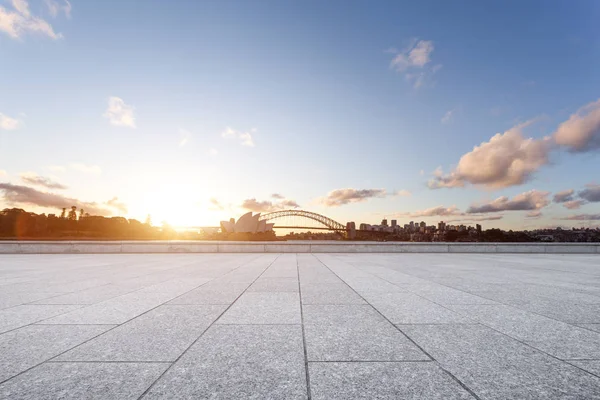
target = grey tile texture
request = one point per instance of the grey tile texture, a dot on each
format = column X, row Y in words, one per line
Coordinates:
column 293, row 326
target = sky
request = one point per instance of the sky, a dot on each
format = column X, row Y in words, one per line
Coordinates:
column 197, row 111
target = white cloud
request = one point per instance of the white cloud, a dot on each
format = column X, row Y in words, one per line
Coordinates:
column 119, row 113
column 56, row 7
column 417, row 55
column 340, row 197
column 88, row 169
column 402, row 193
column 507, row 159
column 7, row 123
column 413, row 60
column 528, row 201
column 19, row 21
column 439, row 211
column 244, row 137
column 213, row 152
column 3, row 172
column 581, row 132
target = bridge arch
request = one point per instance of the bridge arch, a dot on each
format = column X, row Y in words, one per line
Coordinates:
column 323, row 220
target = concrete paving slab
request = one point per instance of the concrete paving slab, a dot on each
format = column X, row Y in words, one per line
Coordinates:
column 76, row 381
column 215, row 292
column 354, row 333
column 408, row 308
column 26, row 347
column 16, row 317
column 264, row 308
column 551, row 336
column 114, row 311
column 274, row 285
column 494, row 365
column 239, row 362
column 328, row 293
column 384, row 381
column 592, row 327
column 547, row 308
column 591, row 366
column 160, row 335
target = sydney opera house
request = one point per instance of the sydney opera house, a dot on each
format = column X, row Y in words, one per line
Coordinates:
column 247, row 223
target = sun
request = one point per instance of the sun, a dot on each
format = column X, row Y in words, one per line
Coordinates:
column 179, row 206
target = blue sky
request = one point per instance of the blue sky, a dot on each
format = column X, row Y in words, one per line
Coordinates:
column 194, row 111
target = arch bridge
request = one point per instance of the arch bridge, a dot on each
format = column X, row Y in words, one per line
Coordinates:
column 291, row 220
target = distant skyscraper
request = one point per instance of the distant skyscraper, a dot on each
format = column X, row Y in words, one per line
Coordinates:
column 384, row 222
column 394, row 223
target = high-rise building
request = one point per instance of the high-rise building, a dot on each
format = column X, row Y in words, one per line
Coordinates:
column 394, row 223
column 384, row 222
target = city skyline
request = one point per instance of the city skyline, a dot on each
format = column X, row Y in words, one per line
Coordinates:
column 198, row 112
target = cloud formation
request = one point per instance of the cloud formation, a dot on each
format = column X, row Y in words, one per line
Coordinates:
column 117, row 205
column 215, row 205
column 479, row 219
column 18, row 21
column 510, row 159
column 340, row 197
column 574, row 204
column 564, row 196
column 583, row 217
column 528, row 201
column 507, row 159
column 7, row 123
column 119, row 114
column 591, row 193
column 439, row 211
column 412, row 61
column 268, row 206
column 245, row 138
column 36, row 180
column 55, row 7
column 581, row 132
column 23, row 195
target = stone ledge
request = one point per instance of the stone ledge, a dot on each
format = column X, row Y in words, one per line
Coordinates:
column 172, row 246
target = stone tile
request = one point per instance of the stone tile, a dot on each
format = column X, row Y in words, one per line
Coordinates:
column 16, row 317
column 354, row 333
column 592, row 327
column 553, row 337
column 496, row 366
column 329, row 293
column 264, row 308
column 408, row 308
column 8, row 300
column 591, row 366
column 78, row 381
column 114, row 311
column 162, row 334
column 26, row 347
column 239, row 362
column 384, row 381
column 274, row 285
column 214, row 292
column 87, row 296
column 445, row 295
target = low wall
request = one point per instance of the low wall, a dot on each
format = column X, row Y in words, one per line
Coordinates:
column 118, row 247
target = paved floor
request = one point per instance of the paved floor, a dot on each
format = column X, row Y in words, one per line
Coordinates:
column 270, row 326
